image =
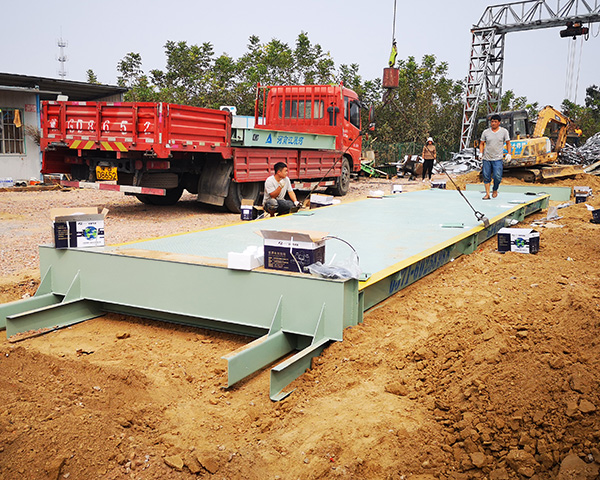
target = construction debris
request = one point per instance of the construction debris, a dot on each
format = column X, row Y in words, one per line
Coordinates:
column 587, row 154
column 463, row 162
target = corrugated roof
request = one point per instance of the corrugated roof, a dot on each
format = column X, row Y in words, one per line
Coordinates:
column 77, row 91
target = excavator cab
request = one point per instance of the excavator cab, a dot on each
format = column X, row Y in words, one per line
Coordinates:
column 517, row 124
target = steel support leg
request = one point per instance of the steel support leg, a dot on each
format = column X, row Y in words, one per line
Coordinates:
column 46, row 312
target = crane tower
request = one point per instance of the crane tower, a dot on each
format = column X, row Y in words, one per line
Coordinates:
column 484, row 81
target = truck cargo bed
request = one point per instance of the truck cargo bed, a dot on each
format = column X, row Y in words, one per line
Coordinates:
column 161, row 128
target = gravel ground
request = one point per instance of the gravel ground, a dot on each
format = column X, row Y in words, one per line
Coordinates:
column 25, row 218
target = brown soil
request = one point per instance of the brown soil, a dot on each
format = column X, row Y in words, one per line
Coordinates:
column 487, row 368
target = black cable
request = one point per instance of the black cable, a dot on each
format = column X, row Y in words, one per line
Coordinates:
column 478, row 215
column 332, row 166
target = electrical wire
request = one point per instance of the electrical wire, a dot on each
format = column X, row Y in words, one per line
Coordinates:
column 294, row 256
column 346, row 242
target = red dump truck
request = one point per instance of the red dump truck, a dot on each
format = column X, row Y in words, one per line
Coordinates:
column 156, row 150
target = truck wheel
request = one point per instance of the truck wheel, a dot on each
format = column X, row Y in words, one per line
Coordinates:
column 342, row 184
column 145, row 199
column 171, row 197
column 239, row 191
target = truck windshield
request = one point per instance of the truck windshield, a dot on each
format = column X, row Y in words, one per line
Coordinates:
column 302, row 109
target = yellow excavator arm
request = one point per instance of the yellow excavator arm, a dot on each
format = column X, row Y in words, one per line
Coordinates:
column 549, row 115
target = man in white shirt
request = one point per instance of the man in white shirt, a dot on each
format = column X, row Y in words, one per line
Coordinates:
column 491, row 147
column 276, row 186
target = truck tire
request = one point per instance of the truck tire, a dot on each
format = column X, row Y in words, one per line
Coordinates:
column 342, row 184
column 239, row 191
column 171, row 197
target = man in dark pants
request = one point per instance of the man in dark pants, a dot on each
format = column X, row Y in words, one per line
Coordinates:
column 491, row 145
column 276, row 186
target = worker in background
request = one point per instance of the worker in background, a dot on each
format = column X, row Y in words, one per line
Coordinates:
column 276, row 186
column 429, row 155
column 578, row 132
column 491, row 147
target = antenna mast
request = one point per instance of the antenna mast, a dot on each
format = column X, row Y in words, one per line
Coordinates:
column 62, row 58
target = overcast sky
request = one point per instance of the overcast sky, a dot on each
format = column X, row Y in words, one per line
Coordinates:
column 99, row 34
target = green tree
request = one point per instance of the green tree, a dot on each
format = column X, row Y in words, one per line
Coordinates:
column 187, row 77
column 510, row 102
column 587, row 116
column 592, row 101
column 91, row 77
column 426, row 103
column 133, row 78
column 313, row 66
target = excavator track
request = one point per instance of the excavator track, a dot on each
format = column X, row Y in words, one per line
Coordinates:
column 543, row 172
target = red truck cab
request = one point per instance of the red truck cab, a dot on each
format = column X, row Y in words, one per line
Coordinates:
column 319, row 109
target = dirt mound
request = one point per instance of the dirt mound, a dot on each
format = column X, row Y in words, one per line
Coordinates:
column 578, row 180
column 485, row 369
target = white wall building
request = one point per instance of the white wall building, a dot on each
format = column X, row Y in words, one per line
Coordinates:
column 20, row 97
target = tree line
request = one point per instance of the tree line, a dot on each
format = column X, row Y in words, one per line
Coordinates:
column 426, row 103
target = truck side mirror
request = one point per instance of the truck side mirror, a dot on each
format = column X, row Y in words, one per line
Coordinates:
column 371, row 118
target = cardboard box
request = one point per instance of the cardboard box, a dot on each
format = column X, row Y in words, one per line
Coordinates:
column 582, row 193
column 522, row 240
column 292, row 251
column 318, row 200
column 249, row 211
column 78, row 227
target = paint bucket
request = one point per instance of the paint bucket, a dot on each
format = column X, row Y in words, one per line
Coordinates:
column 595, row 216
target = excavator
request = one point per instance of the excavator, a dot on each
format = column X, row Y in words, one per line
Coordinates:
column 535, row 150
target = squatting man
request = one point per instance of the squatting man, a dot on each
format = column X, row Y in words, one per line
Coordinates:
column 276, row 186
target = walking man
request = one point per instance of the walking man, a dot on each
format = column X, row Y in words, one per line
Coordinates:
column 492, row 142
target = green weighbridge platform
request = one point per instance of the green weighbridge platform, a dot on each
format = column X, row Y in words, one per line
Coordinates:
column 184, row 278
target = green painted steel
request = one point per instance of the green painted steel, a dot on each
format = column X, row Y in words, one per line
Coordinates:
column 258, row 354
column 183, row 278
column 290, row 369
column 559, row 194
column 32, row 303
column 51, row 317
column 412, row 269
column 254, row 137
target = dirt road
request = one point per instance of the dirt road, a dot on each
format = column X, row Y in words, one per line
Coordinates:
column 487, row 368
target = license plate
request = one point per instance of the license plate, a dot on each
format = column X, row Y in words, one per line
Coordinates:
column 106, row 173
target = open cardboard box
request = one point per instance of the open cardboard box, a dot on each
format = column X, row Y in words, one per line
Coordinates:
column 249, row 210
column 292, row 250
column 78, row 227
